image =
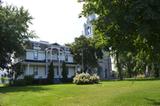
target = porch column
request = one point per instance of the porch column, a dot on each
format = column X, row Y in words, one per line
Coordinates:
column 59, row 61
column 46, row 69
column 51, row 58
column 28, row 69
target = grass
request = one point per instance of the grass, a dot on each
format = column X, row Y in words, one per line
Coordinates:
column 108, row 93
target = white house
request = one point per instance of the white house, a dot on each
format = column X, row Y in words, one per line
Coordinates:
column 39, row 55
column 88, row 27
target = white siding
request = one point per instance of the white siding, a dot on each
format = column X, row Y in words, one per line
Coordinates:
column 28, row 71
column 70, row 58
column 30, row 55
column 55, row 57
column 41, row 55
column 71, row 72
column 57, row 73
column 41, row 71
column 62, row 57
column 49, row 56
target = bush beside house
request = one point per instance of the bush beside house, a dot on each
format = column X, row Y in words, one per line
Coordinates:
column 28, row 80
column 4, row 80
column 85, row 78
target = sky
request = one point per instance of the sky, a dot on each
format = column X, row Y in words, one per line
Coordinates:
column 54, row 20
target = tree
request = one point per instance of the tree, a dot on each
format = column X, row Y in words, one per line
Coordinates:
column 50, row 75
column 64, row 72
column 18, row 69
column 85, row 53
column 14, row 33
column 127, row 25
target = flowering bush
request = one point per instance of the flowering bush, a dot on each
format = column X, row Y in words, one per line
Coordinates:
column 94, row 78
column 85, row 78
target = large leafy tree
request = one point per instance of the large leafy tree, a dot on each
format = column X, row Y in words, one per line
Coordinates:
column 14, row 33
column 130, row 26
column 85, row 52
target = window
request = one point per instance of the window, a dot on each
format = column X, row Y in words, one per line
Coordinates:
column 36, row 44
column 35, row 70
column 66, row 58
column 45, row 71
column 35, row 54
column 88, row 30
column 57, row 71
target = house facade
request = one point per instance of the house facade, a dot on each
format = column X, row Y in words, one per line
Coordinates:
column 88, row 27
column 39, row 55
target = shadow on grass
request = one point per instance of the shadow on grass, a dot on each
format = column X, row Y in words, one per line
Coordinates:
column 141, row 79
column 134, row 79
column 154, row 102
column 90, row 84
column 22, row 89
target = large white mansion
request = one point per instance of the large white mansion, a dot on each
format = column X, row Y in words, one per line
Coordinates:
column 39, row 55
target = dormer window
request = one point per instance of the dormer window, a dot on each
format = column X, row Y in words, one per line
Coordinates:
column 88, row 30
column 36, row 46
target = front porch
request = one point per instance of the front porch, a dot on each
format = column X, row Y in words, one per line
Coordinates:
column 40, row 70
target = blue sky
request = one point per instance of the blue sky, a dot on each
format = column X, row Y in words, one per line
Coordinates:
column 54, row 20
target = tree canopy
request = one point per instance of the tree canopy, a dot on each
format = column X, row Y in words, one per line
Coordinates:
column 85, row 53
column 64, row 72
column 130, row 27
column 14, row 32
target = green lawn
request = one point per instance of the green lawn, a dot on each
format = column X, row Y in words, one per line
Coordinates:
column 109, row 93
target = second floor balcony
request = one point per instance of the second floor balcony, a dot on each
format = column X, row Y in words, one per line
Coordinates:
column 35, row 55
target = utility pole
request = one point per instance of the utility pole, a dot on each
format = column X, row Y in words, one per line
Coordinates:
column 82, row 61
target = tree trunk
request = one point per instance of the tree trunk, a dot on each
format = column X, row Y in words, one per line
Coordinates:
column 129, row 69
column 119, row 67
column 129, row 72
column 156, row 71
column 146, row 71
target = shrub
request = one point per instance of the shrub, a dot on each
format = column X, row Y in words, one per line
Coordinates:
column 40, row 81
column 94, row 78
column 68, row 80
column 29, row 79
column 64, row 72
column 50, row 75
column 19, row 82
column 3, row 80
column 85, row 78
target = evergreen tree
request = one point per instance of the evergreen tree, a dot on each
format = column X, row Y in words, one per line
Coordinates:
column 64, row 72
column 50, row 76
